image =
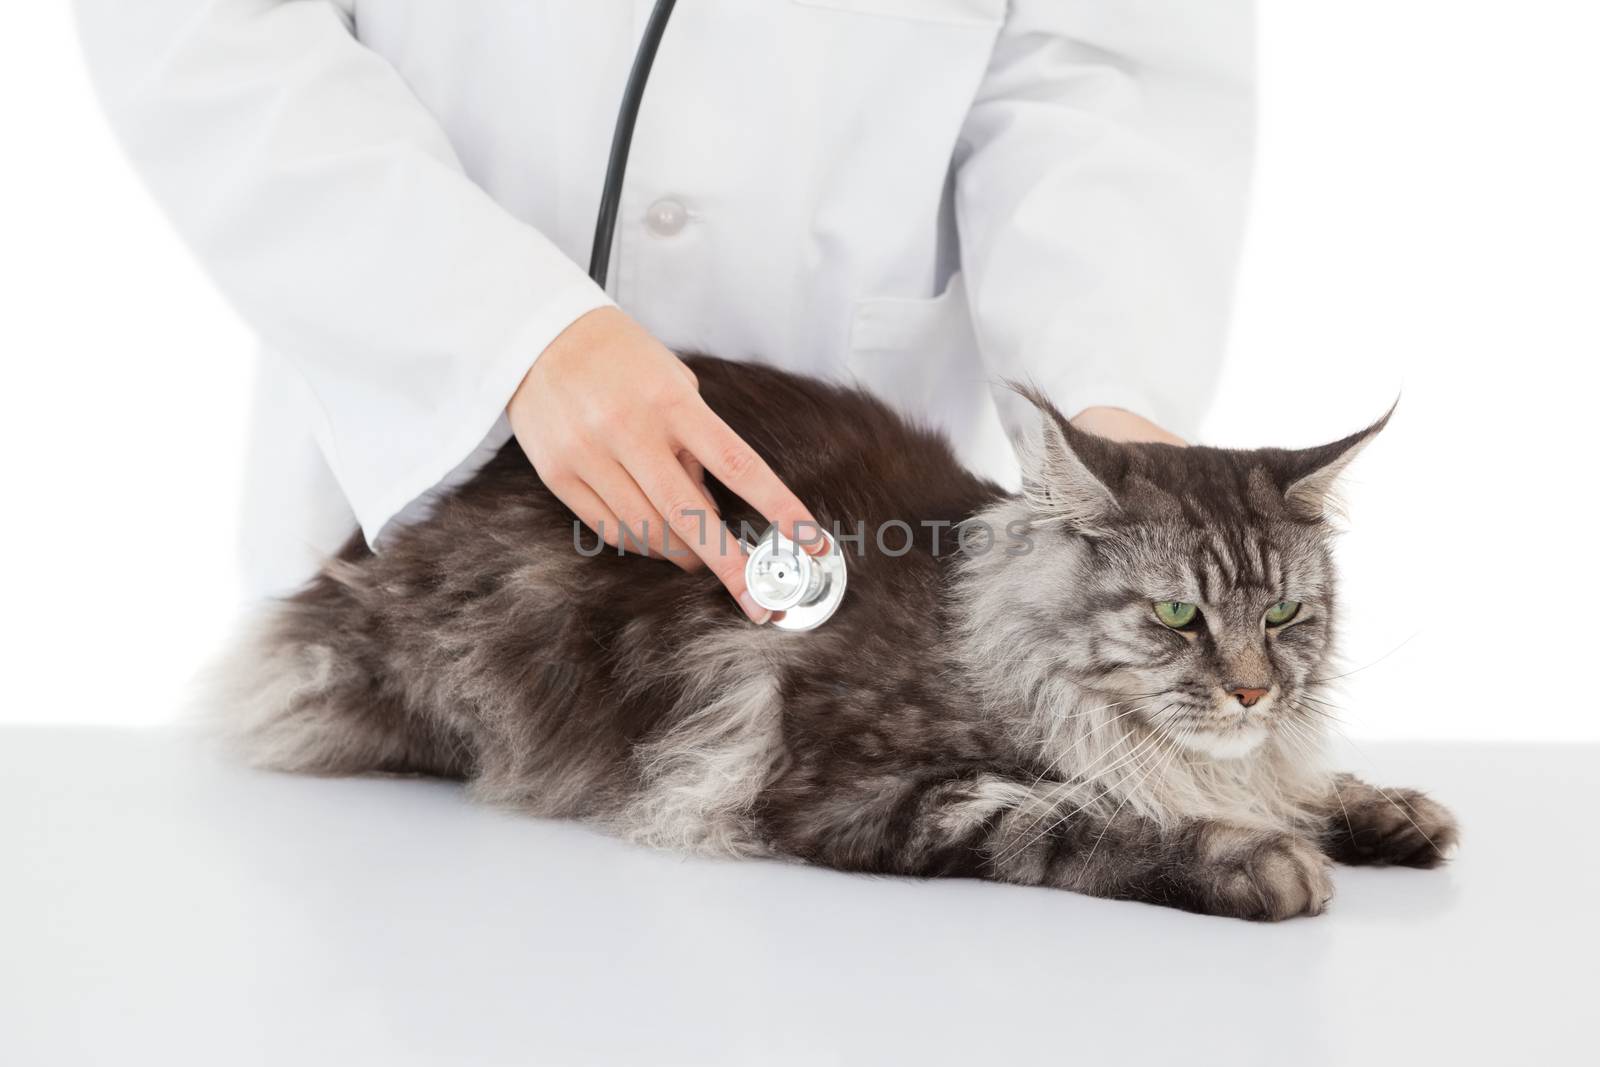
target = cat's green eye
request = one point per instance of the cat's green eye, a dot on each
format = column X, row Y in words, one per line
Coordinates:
column 1282, row 612
column 1176, row 613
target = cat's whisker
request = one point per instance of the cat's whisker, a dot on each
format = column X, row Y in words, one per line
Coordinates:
column 1075, row 781
column 1391, row 800
column 1126, row 793
column 1114, row 720
column 1082, row 713
column 1092, row 771
column 1047, row 741
column 1374, row 663
column 1305, row 743
column 1310, row 710
column 1085, row 779
column 1058, row 795
column 1348, row 825
column 1320, row 702
column 1057, row 791
column 1125, row 696
column 1176, row 746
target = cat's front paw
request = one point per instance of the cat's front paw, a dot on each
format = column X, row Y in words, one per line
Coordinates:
column 1388, row 827
column 1262, row 875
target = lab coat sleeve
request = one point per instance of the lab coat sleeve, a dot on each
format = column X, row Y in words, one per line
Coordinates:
column 330, row 207
column 1100, row 194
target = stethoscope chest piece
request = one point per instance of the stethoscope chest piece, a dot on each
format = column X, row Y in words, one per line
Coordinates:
column 782, row 576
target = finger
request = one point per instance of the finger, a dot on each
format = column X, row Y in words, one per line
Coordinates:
column 697, row 474
column 676, row 496
column 639, row 525
column 746, row 474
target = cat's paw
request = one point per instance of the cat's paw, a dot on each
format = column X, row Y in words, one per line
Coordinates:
column 1262, row 875
column 1389, row 828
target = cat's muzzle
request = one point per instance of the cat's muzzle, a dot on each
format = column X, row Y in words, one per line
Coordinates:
column 783, row 577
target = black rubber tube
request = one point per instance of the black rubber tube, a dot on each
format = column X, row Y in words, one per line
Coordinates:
column 605, row 226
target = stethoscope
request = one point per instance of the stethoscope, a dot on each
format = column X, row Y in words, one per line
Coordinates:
column 781, row 575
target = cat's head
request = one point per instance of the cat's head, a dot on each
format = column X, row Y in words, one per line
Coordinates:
column 1190, row 588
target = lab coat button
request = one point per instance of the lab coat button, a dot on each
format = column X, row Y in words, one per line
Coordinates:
column 666, row 218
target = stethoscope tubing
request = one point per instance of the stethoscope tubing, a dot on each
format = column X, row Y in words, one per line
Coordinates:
column 622, row 140
column 818, row 585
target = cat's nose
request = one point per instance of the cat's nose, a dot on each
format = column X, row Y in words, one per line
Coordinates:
column 1246, row 695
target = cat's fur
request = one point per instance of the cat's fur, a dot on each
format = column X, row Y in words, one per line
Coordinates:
column 1020, row 716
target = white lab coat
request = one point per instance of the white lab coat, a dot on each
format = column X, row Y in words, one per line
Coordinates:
column 925, row 196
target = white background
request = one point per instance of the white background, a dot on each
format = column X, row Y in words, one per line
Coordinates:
column 1425, row 222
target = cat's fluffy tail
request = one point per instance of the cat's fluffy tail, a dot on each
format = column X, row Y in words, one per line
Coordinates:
column 294, row 692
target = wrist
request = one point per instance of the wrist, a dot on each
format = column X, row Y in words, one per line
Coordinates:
column 582, row 334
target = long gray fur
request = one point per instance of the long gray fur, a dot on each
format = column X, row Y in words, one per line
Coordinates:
column 1018, row 716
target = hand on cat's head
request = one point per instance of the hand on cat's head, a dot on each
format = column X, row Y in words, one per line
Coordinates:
column 1106, row 467
column 1118, row 424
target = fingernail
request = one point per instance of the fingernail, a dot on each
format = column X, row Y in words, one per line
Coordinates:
column 809, row 537
column 758, row 614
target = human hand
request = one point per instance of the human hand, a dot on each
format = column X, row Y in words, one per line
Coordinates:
column 1119, row 425
column 614, row 425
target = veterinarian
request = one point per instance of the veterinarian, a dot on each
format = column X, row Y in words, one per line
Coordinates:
column 924, row 196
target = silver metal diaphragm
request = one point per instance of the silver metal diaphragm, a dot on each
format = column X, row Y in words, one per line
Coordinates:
column 783, row 576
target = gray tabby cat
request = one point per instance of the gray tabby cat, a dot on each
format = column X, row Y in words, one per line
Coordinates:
column 1119, row 697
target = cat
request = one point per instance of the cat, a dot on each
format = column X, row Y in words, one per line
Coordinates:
column 1114, row 687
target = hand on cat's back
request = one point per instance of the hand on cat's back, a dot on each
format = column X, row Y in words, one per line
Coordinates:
column 613, row 423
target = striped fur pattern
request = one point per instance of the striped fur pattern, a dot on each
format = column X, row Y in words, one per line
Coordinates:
column 1015, row 713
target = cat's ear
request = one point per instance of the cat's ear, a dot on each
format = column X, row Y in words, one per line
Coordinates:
column 1058, row 471
column 1310, row 475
